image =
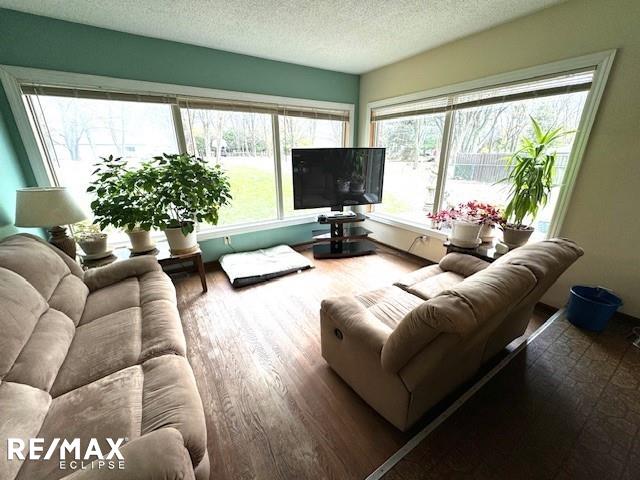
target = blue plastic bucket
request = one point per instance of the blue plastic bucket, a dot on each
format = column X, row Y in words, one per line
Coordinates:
column 591, row 307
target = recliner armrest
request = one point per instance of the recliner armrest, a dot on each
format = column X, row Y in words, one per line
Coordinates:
column 157, row 455
column 101, row 277
column 354, row 320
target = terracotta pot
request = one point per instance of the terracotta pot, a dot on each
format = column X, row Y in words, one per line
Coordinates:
column 179, row 242
column 93, row 245
column 516, row 237
column 141, row 241
column 465, row 234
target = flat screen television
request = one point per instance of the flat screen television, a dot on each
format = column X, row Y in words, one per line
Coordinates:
column 337, row 177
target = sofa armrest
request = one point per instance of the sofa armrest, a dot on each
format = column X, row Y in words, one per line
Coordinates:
column 157, row 455
column 101, row 277
column 352, row 319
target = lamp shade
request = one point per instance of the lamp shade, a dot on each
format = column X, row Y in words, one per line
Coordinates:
column 46, row 207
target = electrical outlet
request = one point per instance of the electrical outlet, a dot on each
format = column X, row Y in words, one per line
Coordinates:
column 227, row 240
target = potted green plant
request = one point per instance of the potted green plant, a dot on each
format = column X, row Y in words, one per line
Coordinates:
column 531, row 175
column 185, row 190
column 92, row 241
column 123, row 201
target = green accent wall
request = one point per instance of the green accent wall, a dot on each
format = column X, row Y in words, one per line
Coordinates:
column 42, row 42
column 291, row 235
column 11, row 175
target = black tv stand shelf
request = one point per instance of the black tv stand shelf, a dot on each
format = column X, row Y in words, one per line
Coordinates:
column 342, row 239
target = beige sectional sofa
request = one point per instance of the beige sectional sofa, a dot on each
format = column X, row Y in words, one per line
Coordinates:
column 97, row 354
column 403, row 348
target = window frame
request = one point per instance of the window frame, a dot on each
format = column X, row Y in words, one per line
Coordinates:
column 12, row 77
column 601, row 61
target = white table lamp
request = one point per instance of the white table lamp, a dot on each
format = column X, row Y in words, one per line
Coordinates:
column 49, row 207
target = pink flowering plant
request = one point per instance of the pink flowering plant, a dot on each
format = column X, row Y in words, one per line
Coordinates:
column 472, row 212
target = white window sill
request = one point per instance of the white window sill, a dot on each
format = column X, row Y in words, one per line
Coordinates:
column 405, row 224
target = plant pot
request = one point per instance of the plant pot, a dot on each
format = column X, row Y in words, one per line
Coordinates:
column 465, row 234
column 141, row 241
column 179, row 242
column 487, row 232
column 516, row 237
column 94, row 245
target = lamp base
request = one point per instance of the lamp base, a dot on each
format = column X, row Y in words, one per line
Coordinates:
column 62, row 241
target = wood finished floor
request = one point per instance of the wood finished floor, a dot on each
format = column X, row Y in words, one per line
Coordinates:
column 274, row 409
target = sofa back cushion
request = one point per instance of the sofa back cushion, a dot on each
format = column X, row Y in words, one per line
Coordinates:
column 35, row 338
column 547, row 260
column 22, row 412
column 54, row 275
column 21, row 306
column 485, row 296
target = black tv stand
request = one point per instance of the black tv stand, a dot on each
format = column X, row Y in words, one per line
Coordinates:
column 342, row 239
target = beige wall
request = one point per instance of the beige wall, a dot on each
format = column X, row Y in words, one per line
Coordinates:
column 603, row 214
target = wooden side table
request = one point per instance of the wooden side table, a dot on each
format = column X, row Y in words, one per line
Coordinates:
column 164, row 256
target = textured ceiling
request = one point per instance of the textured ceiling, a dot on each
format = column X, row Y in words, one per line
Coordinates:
column 345, row 35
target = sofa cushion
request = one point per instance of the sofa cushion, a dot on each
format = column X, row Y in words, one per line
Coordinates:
column 22, row 307
column 39, row 263
column 102, row 347
column 389, row 304
column 70, row 297
column 407, row 280
column 119, row 296
column 430, row 281
column 435, row 285
column 45, row 351
column 129, row 403
column 127, row 336
column 157, row 455
column 480, row 297
column 487, row 294
column 547, row 258
column 108, row 408
column 170, row 399
column 22, row 411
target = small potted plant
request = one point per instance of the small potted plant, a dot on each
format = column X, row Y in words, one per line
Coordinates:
column 464, row 223
column 123, row 201
column 185, row 190
column 531, row 175
column 470, row 222
column 489, row 216
column 92, row 241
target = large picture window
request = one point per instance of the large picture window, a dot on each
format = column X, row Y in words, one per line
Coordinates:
column 242, row 143
column 448, row 150
column 251, row 141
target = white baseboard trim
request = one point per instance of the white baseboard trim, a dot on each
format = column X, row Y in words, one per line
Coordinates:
column 379, row 472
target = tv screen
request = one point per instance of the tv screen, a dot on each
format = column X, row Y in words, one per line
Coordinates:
column 337, row 177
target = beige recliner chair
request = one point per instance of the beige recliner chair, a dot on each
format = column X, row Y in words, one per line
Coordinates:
column 404, row 347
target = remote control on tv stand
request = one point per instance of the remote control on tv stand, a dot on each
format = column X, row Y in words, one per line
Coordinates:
column 336, row 215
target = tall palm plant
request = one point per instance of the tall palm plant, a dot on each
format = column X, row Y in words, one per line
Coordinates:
column 531, row 174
